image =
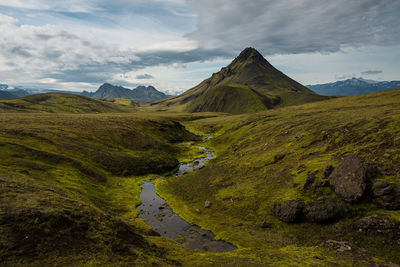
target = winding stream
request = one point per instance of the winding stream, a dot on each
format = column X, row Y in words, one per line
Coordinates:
column 156, row 213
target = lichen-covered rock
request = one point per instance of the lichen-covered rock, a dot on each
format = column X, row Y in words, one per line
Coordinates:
column 348, row 180
column 323, row 211
column 289, row 211
column 377, row 225
column 339, row 246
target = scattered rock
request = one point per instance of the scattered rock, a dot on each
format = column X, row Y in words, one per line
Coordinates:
column 348, row 180
column 198, row 211
column 323, row 211
column 265, row 225
column 279, row 157
column 161, row 207
column 339, row 246
column 327, row 171
column 310, row 179
column 119, row 184
column 377, row 225
column 289, row 211
column 207, row 204
column 387, row 195
column 297, row 138
column 237, row 224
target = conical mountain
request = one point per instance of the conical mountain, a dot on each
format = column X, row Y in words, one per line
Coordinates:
column 249, row 84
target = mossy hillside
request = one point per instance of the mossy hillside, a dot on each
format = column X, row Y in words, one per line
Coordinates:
column 266, row 156
column 232, row 98
column 121, row 101
column 62, row 204
column 61, row 103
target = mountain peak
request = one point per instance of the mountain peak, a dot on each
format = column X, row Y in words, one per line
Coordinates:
column 249, row 56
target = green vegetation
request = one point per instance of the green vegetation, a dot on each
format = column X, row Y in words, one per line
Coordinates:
column 61, row 103
column 265, row 156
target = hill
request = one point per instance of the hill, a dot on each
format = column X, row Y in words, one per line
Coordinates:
column 272, row 183
column 249, row 84
column 59, row 103
column 354, row 86
column 139, row 94
column 69, row 187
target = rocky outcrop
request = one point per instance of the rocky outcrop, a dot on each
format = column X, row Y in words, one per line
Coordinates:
column 377, row 225
column 289, row 211
column 323, row 211
column 348, row 180
column 387, row 195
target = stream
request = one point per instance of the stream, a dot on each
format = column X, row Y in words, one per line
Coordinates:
column 156, row 213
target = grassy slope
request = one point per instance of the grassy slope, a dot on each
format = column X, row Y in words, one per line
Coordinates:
column 65, row 194
column 60, row 103
column 244, row 181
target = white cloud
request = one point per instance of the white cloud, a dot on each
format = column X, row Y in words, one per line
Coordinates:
column 4, row 19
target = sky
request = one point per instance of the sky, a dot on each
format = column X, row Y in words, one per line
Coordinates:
column 175, row 44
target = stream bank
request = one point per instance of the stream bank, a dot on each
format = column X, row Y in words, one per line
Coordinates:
column 155, row 212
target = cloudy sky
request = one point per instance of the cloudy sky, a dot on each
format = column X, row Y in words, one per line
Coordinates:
column 175, row 44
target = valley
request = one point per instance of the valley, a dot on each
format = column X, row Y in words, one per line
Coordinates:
column 249, row 168
column 71, row 184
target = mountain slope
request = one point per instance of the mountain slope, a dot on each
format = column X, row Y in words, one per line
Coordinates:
column 250, row 83
column 139, row 94
column 59, row 103
column 354, row 86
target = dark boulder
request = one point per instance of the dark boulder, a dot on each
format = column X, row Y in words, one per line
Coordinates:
column 323, row 211
column 377, row 225
column 348, row 180
column 289, row 211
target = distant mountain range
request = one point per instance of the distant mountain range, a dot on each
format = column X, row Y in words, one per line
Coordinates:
column 11, row 93
column 139, row 94
column 354, row 86
column 249, row 84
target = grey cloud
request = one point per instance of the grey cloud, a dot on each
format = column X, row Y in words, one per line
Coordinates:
column 371, row 72
column 296, row 26
column 19, row 51
column 144, row 76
